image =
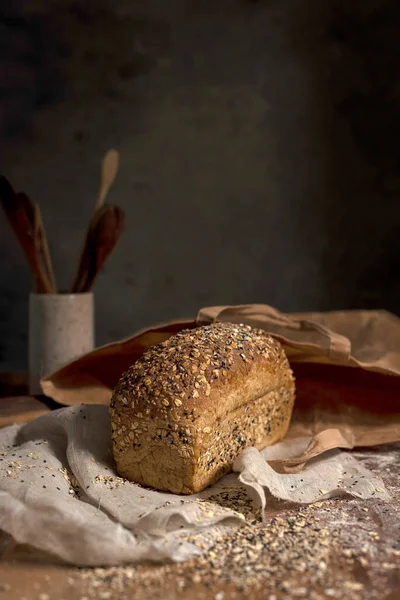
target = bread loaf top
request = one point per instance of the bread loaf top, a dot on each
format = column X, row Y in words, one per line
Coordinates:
column 198, row 371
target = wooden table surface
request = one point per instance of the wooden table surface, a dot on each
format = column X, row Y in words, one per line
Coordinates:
column 362, row 561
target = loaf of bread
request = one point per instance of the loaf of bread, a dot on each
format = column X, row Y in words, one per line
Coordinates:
column 183, row 412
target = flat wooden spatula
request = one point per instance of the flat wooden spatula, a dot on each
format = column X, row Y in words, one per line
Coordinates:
column 20, row 213
column 104, row 231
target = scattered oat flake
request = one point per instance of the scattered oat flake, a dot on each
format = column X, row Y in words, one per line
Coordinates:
column 353, row 585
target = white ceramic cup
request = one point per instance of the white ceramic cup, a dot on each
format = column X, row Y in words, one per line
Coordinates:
column 61, row 328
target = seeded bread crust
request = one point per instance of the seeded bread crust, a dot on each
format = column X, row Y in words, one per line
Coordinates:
column 183, row 412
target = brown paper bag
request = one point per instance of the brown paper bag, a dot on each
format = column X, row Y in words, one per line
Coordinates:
column 347, row 368
column 366, row 339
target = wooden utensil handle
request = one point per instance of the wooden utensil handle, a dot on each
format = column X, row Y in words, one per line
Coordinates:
column 43, row 248
column 84, row 259
column 104, row 232
column 19, row 215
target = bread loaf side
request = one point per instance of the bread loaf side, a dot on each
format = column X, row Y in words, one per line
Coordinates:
column 183, row 412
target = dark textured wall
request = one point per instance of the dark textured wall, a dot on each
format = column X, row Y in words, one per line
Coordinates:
column 259, row 145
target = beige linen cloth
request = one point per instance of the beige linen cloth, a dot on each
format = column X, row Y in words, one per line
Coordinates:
column 58, row 487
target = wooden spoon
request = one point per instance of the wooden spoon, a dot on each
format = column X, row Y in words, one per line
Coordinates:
column 43, row 247
column 20, row 214
column 109, row 170
column 104, row 231
column 40, row 238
